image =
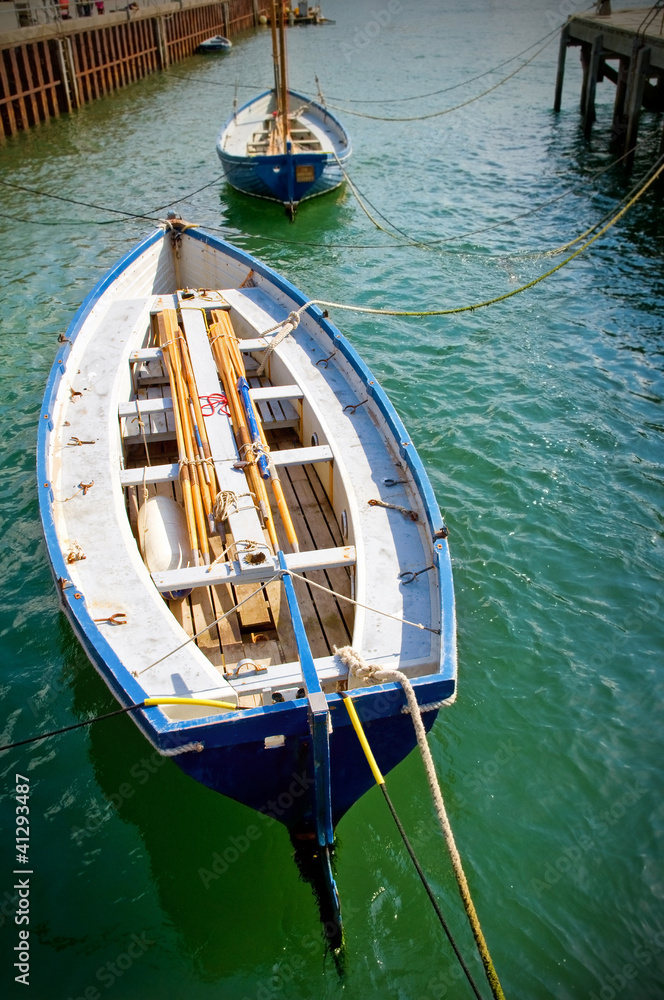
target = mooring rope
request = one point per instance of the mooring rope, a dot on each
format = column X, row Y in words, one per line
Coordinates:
column 284, row 328
column 148, row 703
column 591, row 229
column 372, row 673
column 445, row 111
column 358, row 604
column 506, row 295
column 380, row 781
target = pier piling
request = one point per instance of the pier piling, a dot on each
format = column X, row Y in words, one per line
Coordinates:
column 633, row 38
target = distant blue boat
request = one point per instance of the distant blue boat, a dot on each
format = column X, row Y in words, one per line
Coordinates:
column 252, row 152
column 282, row 145
column 215, row 44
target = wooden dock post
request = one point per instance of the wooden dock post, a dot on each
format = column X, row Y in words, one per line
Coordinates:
column 622, row 79
column 560, row 76
column 591, row 74
column 637, row 84
column 636, row 42
column 162, row 45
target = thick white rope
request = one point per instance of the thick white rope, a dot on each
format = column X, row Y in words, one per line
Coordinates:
column 376, row 673
column 175, row 751
column 285, row 328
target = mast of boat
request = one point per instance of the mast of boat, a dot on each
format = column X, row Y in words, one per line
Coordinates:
column 280, row 75
column 284, row 79
column 275, row 61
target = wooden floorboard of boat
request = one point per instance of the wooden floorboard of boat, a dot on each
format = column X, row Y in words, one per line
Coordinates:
column 313, row 519
column 338, row 579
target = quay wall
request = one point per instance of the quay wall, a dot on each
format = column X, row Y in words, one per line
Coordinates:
column 50, row 69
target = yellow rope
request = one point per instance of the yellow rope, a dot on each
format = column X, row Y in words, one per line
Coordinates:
column 211, row 703
column 506, row 295
column 599, row 222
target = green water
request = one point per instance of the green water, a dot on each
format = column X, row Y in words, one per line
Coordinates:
column 540, row 422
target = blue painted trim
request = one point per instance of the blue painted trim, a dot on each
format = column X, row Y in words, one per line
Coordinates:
column 121, row 682
column 50, row 395
column 319, row 717
column 309, row 674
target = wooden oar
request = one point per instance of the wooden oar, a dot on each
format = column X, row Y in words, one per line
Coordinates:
column 200, row 428
column 226, row 369
column 162, row 325
column 223, row 321
column 195, row 473
column 268, row 469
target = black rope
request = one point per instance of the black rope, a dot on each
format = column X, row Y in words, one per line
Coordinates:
column 429, row 891
column 412, row 240
column 75, row 725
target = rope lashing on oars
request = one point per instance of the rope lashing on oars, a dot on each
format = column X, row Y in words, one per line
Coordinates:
column 378, row 674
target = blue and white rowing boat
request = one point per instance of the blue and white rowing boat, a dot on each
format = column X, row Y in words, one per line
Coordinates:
column 282, row 145
column 231, row 505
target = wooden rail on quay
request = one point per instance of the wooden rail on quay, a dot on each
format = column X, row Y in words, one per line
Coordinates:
column 633, row 38
column 49, row 69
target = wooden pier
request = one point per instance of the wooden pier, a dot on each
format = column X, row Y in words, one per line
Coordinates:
column 634, row 39
column 47, row 70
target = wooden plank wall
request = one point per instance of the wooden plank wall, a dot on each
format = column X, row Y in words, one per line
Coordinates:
column 65, row 67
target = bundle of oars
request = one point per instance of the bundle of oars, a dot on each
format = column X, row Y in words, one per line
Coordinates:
column 197, row 473
column 247, row 425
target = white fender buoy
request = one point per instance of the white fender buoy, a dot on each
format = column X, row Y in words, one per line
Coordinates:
column 163, row 538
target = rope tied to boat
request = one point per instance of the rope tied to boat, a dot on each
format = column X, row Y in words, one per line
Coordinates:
column 176, row 751
column 285, row 328
column 358, row 666
column 411, row 514
column 358, row 604
column 226, row 502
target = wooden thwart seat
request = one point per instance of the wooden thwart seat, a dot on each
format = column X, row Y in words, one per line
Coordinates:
column 169, row 473
column 230, row 572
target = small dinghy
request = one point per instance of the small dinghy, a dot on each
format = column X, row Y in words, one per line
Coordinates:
column 282, row 145
column 241, row 531
column 215, row 44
